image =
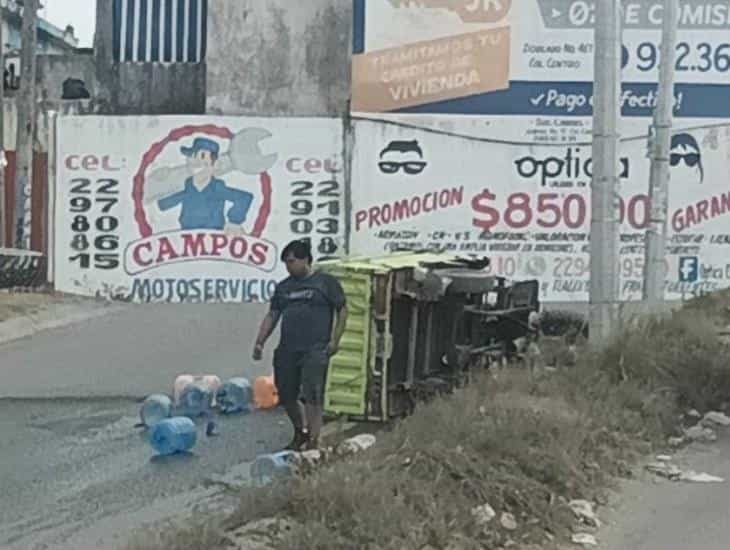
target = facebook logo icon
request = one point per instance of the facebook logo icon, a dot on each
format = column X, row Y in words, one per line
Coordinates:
column 689, row 269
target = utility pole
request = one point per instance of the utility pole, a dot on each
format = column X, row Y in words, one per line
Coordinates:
column 26, row 125
column 604, row 283
column 660, row 143
column 3, row 207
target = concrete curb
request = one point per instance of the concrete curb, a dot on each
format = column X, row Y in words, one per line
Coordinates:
column 55, row 316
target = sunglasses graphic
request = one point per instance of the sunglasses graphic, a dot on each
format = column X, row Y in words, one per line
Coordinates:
column 690, row 159
column 411, row 168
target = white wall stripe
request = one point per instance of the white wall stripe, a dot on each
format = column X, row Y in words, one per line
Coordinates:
column 148, row 38
column 186, row 27
column 136, row 25
column 175, row 37
column 123, row 30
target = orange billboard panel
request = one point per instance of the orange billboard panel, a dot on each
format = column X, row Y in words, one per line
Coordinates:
column 430, row 71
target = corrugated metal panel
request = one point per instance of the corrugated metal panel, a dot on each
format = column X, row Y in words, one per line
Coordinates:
column 348, row 376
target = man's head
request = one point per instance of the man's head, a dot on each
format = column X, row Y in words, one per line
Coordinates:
column 201, row 157
column 297, row 256
column 686, row 158
column 402, row 155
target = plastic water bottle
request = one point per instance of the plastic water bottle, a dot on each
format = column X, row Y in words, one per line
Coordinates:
column 154, row 409
column 265, row 394
column 235, row 396
column 210, row 381
column 196, row 400
column 268, row 467
column 173, row 435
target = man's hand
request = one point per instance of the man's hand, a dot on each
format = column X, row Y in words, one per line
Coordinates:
column 258, row 352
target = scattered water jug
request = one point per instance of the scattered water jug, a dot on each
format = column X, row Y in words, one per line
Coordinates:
column 268, row 467
column 264, row 393
column 196, row 400
column 173, row 435
column 235, row 396
column 210, row 381
column 154, row 409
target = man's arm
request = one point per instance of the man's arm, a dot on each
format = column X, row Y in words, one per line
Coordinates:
column 339, row 329
column 267, row 327
column 339, row 304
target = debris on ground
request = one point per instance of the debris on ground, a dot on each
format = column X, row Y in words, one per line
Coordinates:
column 694, row 413
column 261, row 534
column 583, row 510
column 715, row 418
column 584, row 539
column 700, row 434
column 663, row 458
column 694, row 477
column 508, row 521
column 674, row 473
column 662, row 469
column 483, row 514
column 355, row 445
column 675, row 441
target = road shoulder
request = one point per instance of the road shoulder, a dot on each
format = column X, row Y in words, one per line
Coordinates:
column 23, row 315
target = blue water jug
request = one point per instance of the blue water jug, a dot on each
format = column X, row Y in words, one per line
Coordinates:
column 173, row 435
column 155, row 408
column 195, row 401
column 268, row 467
column 235, row 396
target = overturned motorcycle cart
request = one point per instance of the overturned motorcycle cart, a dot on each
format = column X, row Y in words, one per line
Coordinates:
column 418, row 323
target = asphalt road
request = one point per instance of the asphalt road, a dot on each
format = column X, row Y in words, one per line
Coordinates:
column 657, row 514
column 134, row 352
column 71, row 457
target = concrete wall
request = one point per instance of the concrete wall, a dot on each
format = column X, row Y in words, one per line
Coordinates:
column 143, row 88
column 53, row 70
column 278, row 57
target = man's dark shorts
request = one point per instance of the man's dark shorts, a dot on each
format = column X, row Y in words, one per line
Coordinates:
column 301, row 374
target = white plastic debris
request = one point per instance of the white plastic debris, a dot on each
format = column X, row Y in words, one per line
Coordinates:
column 675, row 441
column 716, row 418
column 483, row 514
column 356, row 444
column 663, row 469
column 663, row 458
column 584, row 539
column 694, row 477
column 694, row 413
column 700, row 434
column 583, row 510
column 508, row 521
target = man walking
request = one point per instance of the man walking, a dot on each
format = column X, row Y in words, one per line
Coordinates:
column 313, row 311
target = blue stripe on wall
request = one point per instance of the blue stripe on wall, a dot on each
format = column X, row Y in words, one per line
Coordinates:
column 180, row 53
column 117, row 22
column 142, row 52
column 167, row 55
column 358, row 28
column 204, row 33
column 156, row 30
column 128, row 45
column 193, row 32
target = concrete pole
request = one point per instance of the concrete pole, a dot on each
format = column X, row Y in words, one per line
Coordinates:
column 26, row 125
column 656, row 234
column 3, row 207
column 604, row 273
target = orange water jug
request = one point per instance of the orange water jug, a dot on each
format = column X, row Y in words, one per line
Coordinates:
column 265, row 395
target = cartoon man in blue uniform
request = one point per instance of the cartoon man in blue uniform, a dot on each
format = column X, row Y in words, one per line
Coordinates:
column 204, row 197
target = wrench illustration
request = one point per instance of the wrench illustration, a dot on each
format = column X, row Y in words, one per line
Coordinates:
column 244, row 155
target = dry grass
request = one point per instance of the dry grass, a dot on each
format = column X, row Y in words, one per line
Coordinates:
column 525, row 443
